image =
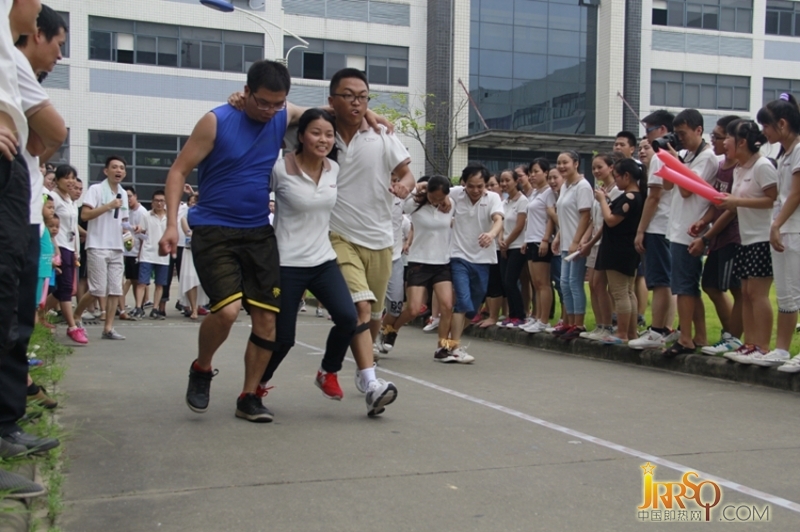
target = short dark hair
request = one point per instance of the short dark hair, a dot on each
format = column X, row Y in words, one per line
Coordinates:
column 660, row 118
column 475, row 168
column 129, row 188
column 112, row 158
column 689, row 117
column 542, row 163
column 725, row 120
column 49, row 24
column 270, row 75
column 309, row 116
column 64, row 170
column 159, row 192
column 344, row 74
column 627, row 135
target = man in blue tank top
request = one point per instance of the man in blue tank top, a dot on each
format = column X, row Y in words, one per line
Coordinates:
column 233, row 244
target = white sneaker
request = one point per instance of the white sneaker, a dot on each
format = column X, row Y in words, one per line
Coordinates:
column 553, row 328
column 773, row 358
column 461, row 356
column 302, row 307
column 535, row 327
column 731, row 355
column 596, row 335
column 791, row 366
column 87, row 316
column 673, row 336
column 432, row 325
column 376, row 352
column 649, row 340
column 728, row 342
column 379, row 394
column 319, row 313
column 748, row 355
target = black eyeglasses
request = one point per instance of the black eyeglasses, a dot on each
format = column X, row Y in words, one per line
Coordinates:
column 350, row 98
column 261, row 105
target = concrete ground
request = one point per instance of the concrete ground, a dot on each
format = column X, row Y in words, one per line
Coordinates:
column 521, row 440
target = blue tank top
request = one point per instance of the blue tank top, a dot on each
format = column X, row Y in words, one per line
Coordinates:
column 233, row 180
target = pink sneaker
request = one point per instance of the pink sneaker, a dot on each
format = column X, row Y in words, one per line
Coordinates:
column 78, row 335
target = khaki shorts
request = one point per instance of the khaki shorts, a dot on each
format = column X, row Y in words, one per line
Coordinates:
column 365, row 270
column 106, row 269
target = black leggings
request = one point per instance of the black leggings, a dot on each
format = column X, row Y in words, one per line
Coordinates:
column 510, row 270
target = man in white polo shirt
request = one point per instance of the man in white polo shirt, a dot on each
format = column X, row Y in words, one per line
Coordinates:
column 107, row 214
column 153, row 225
column 373, row 168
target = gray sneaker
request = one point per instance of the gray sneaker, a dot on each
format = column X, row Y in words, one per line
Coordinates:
column 112, row 335
column 10, row 450
column 19, row 487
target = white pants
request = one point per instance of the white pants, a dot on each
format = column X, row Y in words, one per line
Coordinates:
column 786, row 272
column 105, row 270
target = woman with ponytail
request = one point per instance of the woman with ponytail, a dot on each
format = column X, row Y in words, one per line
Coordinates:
column 781, row 122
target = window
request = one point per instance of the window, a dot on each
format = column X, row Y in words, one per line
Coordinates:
column 773, row 88
column 722, row 15
column 702, row 91
column 65, row 48
column 149, row 158
column 383, row 65
column 147, row 43
column 783, row 18
column 62, row 155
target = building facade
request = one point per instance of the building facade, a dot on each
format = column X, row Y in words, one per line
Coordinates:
column 502, row 81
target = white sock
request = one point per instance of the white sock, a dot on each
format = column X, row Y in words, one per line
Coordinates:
column 367, row 376
column 783, row 352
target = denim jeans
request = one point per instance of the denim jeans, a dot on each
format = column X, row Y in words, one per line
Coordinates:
column 573, row 274
column 470, row 282
column 325, row 281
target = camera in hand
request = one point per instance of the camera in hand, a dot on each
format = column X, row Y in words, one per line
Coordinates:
column 669, row 138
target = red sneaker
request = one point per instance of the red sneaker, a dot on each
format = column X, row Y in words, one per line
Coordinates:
column 561, row 328
column 329, row 384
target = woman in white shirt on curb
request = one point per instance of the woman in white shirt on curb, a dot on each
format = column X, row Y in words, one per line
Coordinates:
column 781, row 122
column 755, row 188
column 305, row 189
column 539, row 230
column 189, row 281
column 573, row 206
column 512, row 260
column 429, row 257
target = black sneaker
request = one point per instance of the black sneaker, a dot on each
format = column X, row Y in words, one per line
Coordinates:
column 199, row 390
column 138, row 312
column 252, row 409
column 389, row 340
column 156, row 315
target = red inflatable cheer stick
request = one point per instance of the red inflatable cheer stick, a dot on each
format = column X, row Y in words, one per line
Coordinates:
column 697, row 186
column 675, row 164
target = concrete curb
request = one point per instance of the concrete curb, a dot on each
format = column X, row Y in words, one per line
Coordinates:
column 705, row 366
column 702, row 365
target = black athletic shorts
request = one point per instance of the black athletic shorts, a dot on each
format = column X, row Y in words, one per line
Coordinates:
column 131, row 268
column 719, row 271
column 234, row 263
column 532, row 253
column 427, row 275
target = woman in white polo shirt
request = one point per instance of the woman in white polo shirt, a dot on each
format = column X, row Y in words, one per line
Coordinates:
column 512, row 261
column 304, row 183
column 573, row 206
column 429, row 257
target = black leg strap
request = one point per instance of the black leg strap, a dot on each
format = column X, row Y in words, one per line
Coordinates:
column 263, row 343
column 361, row 328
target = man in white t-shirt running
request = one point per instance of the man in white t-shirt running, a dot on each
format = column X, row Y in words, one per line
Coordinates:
column 373, row 169
column 107, row 215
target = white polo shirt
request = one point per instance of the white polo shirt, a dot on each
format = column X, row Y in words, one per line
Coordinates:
column 659, row 225
column 135, row 217
column 538, row 203
column 788, row 164
column 154, row 227
column 512, row 209
column 303, row 212
column 105, row 231
column 751, row 182
column 363, row 210
column 472, row 220
column 432, row 233
column 34, row 98
column 10, row 98
column 686, row 211
column 67, row 213
column 571, row 201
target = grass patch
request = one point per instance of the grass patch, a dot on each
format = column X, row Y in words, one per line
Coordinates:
column 44, row 423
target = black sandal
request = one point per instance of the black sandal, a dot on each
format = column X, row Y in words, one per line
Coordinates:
column 678, row 349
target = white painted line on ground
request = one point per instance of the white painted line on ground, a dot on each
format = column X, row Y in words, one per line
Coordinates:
column 766, row 497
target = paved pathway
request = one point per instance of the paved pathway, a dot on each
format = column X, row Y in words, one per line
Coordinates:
column 521, row 440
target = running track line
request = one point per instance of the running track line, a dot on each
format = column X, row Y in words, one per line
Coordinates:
column 766, row 497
